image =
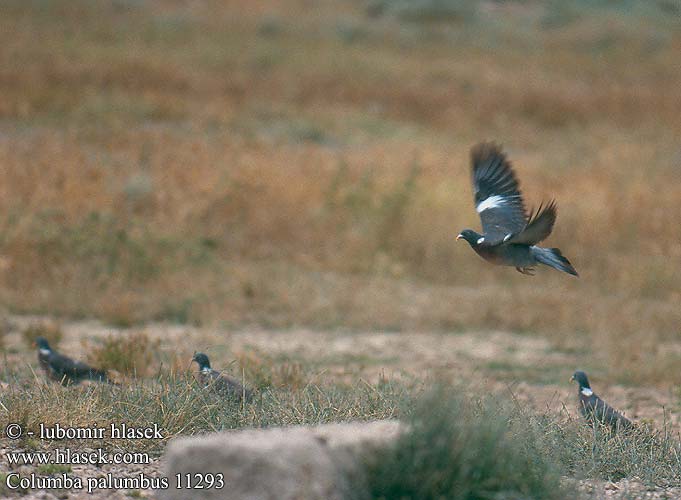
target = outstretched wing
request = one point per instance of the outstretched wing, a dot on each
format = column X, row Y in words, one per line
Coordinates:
column 497, row 196
column 539, row 226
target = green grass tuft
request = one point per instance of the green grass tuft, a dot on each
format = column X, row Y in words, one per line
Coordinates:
column 457, row 449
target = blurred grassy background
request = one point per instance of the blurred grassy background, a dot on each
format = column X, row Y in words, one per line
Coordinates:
column 306, row 163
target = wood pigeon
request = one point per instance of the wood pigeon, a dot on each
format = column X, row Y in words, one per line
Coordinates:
column 510, row 235
column 218, row 382
column 63, row 369
column 595, row 409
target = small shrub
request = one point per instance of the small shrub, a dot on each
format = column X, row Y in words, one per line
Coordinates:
column 48, row 329
column 131, row 354
column 458, row 450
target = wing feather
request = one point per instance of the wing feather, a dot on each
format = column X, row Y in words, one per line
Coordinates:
column 539, row 225
column 497, row 195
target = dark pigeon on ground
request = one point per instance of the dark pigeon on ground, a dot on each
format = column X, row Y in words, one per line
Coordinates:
column 219, row 382
column 509, row 236
column 63, row 369
column 594, row 409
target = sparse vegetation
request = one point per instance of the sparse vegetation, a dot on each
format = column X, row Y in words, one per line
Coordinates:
column 180, row 405
column 263, row 371
column 459, row 450
column 483, row 448
column 131, row 354
column 50, row 330
column 53, row 469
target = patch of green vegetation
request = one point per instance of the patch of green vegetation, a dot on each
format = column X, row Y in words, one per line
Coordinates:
column 460, row 450
column 14, row 482
column 53, row 469
column 428, row 10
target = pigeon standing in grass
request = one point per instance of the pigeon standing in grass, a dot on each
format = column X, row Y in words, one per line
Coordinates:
column 220, row 383
column 595, row 409
column 63, row 369
column 510, row 235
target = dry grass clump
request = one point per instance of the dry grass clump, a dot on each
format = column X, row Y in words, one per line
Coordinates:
column 264, row 371
column 133, row 354
column 176, row 362
column 51, row 330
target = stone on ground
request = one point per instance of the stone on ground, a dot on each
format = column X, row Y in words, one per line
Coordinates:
column 301, row 463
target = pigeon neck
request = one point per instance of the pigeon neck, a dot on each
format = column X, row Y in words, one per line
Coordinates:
column 45, row 351
column 586, row 391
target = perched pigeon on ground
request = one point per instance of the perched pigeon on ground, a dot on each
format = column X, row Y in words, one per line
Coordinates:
column 594, row 408
column 220, row 383
column 510, row 236
column 63, row 369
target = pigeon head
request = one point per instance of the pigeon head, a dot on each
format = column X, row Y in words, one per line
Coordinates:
column 202, row 360
column 470, row 236
column 42, row 344
column 580, row 378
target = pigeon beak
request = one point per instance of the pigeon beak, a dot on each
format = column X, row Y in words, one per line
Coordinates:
column 572, row 379
column 458, row 237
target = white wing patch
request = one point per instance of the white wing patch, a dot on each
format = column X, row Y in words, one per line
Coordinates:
column 491, row 202
column 587, row 392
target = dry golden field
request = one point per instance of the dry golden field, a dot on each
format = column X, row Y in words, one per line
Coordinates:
column 299, row 163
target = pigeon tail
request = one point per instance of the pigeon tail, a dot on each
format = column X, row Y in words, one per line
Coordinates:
column 552, row 257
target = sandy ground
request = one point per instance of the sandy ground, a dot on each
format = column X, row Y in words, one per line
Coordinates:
column 525, row 366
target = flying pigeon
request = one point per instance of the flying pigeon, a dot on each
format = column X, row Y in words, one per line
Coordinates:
column 510, row 235
column 63, row 369
column 220, row 383
column 594, row 408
